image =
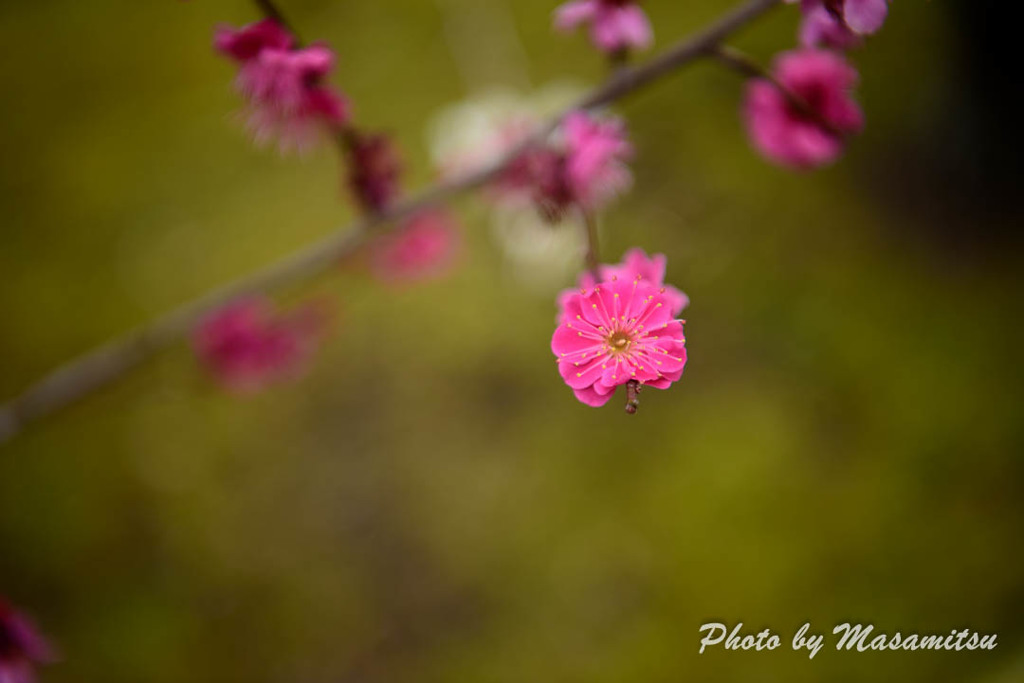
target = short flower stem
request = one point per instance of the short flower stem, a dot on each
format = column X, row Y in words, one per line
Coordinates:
column 744, row 65
column 592, row 256
column 633, row 388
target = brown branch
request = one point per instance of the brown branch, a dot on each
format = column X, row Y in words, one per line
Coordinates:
column 102, row 366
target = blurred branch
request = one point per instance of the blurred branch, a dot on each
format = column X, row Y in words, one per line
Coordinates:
column 102, row 366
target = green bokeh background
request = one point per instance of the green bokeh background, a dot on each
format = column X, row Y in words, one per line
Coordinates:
column 430, row 503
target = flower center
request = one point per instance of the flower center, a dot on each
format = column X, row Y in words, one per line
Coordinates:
column 619, row 342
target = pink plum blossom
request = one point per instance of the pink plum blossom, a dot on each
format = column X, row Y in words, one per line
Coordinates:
column 244, row 44
column 589, row 170
column 286, row 98
column 861, row 17
column 249, row 345
column 483, row 129
column 424, row 248
column 784, row 132
column 635, row 264
column 21, row 647
column 615, row 25
column 616, row 332
column 820, row 29
column 583, row 164
column 596, row 150
column 865, row 16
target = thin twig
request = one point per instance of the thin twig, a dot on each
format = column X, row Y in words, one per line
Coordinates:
column 102, row 366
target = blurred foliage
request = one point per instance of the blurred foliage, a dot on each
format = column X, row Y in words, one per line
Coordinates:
column 431, row 503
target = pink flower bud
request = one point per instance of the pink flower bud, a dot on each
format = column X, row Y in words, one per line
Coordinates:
column 375, row 169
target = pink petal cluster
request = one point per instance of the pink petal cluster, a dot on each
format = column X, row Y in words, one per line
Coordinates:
column 596, row 151
column 589, row 171
column 615, row 25
column 246, row 43
column 424, row 248
column 820, row 28
column 21, row 647
column 787, row 134
column 617, row 331
column 283, row 84
column 375, row 170
column 635, row 264
column 249, row 345
column 840, row 23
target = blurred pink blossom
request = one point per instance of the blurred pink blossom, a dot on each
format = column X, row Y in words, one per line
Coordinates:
column 862, row 17
column 286, row 99
column 590, row 168
column 617, row 331
column 248, row 345
column 615, row 25
column 596, row 151
column 787, row 134
column 424, row 248
column 820, row 29
column 21, row 646
column 243, row 44
column 865, row 16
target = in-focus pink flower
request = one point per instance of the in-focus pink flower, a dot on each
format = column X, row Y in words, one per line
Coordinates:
column 616, row 332
column 375, row 170
column 21, row 646
column 784, row 132
column 615, row 25
column 424, row 248
column 286, row 96
column 248, row 345
column 862, row 17
column 635, row 263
